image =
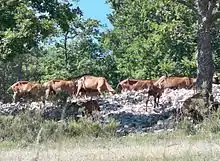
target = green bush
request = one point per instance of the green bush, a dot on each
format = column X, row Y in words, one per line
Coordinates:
column 49, row 131
column 74, row 129
column 87, row 127
column 187, row 127
column 26, row 128
column 110, row 128
column 5, row 126
column 18, row 128
column 210, row 125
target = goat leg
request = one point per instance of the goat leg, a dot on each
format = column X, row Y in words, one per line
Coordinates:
column 78, row 88
column 147, row 101
column 14, row 97
column 158, row 98
column 155, row 102
column 99, row 89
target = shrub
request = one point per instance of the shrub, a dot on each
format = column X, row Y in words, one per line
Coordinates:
column 18, row 128
column 210, row 125
column 25, row 128
column 110, row 128
column 87, row 127
column 187, row 127
column 49, row 131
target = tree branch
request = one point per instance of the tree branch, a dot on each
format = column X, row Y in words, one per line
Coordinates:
column 212, row 5
column 71, row 37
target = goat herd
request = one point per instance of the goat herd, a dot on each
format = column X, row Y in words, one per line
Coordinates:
column 88, row 85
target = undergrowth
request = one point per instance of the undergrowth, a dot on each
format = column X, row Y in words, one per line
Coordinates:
column 24, row 127
column 27, row 127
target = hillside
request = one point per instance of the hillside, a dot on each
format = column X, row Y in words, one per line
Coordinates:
column 128, row 109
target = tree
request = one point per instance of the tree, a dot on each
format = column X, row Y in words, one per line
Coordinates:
column 207, row 14
column 42, row 40
column 169, row 30
column 26, row 24
column 150, row 39
column 81, row 37
column 78, row 53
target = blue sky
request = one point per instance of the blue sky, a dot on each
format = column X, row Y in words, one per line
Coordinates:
column 96, row 9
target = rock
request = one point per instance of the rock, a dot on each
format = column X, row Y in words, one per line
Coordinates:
column 128, row 108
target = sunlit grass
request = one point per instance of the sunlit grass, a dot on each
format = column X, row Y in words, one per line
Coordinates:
column 129, row 148
column 32, row 138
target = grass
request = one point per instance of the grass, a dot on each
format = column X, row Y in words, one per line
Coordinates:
column 31, row 138
column 134, row 147
column 25, row 128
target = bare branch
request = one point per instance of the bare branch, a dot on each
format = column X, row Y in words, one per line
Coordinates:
column 212, row 5
column 72, row 37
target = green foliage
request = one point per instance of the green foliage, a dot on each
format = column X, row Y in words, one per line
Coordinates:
column 110, row 127
column 25, row 29
column 41, row 40
column 25, row 127
column 27, row 23
column 190, row 65
column 151, row 38
column 84, row 127
column 87, row 127
column 187, row 127
column 209, row 126
column 49, row 130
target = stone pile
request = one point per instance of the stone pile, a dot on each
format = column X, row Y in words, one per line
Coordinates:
column 129, row 109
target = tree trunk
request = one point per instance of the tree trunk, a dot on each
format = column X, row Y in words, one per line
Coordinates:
column 18, row 69
column 205, row 64
column 205, row 61
column 65, row 49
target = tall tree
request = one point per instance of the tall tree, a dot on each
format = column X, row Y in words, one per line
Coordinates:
column 171, row 30
column 26, row 23
column 207, row 12
column 83, row 53
column 151, row 38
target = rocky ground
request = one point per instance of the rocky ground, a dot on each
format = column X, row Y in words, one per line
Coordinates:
column 129, row 109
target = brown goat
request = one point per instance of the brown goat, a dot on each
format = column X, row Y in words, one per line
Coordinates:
column 23, row 88
column 94, row 83
column 91, row 106
column 175, row 82
column 142, row 84
column 53, row 86
column 156, row 92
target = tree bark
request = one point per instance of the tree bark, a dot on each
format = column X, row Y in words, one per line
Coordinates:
column 205, row 64
column 65, row 49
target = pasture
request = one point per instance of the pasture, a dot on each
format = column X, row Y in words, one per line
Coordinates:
column 29, row 136
column 33, row 139
column 163, row 146
column 164, row 56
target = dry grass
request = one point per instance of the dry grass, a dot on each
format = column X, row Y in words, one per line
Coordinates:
column 117, row 149
column 38, row 140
